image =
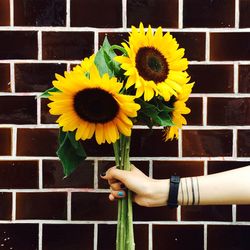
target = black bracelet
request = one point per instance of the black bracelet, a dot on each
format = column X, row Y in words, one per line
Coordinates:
column 173, row 191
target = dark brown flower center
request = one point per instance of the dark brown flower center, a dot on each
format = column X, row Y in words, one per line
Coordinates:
column 95, row 105
column 151, row 64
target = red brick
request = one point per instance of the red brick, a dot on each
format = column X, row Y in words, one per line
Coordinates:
column 40, row 13
column 5, row 138
column 164, row 169
column 4, row 77
column 206, row 213
column 93, row 206
column 230, row 46
column 194, row 44
column 212, row 78
column 18, row 110
column 178, row 237
column 107, row 237
column 58, row 236
column 46, row 117
column 210, row 14
column 163, row 213
column 6, row 206
column 37, row 142
column 25, row 48
column 67, row 45
column 82, row 177
column 195, row 116
column 51, row 206
column 243, row 143
column 4, row 13
column 207, row 143
column 243, row 213
column 220, row 166
column 19, row 174
column 36, row 77
column 90, row 13
column 228, row 111
column 244, row 13
column 228, row 237
column 19, row 236
column 156, row 13
column 244, row 78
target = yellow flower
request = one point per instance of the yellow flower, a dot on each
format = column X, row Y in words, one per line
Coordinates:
column 180, row 109
column 92, row 105
column 154, row 63
column 85, row 65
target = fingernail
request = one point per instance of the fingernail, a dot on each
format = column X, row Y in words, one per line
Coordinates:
column 103, row 174
column 120, row 193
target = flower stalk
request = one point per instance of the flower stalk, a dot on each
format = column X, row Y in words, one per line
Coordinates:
column 124, row 232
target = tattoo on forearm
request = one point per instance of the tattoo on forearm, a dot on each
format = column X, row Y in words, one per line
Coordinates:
column 182, row 193
column 198, row 190
column 193, row 196
column 190, row 191
column 187, row 191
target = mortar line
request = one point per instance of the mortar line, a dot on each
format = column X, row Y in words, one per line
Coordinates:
column 234, row 212
column 11, row 2
column 150, row 236
column 205, row 236
column 204, row 110
column 13, row 213
column 12, row 78
column 38, row 110
column 234, row 143
column 96, row 174
column 14, row 142
column 68, row 13
column 124, row 14
column 180, row 14
column 69, row 199
column 237, row 14
column 207, row 48
column 40, row 174
column 95, row 236
column 236, row 78
column 39, row 44
column 40, row 236
column 180, row 144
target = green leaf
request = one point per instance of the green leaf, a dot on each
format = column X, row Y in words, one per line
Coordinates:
column 46, row 93
column 70, row 152
column 113, row 66
column 163, row 119
column 120, row 48
column 101, row 64
column 154, row 113
column 104, row 60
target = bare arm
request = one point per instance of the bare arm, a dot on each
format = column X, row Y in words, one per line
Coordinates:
column 229, row 187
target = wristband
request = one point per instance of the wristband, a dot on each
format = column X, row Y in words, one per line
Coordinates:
column 173, row 191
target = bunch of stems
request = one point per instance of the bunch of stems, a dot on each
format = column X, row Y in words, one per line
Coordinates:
column 124, row 232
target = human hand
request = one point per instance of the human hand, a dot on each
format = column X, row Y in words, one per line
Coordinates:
column 147, row 192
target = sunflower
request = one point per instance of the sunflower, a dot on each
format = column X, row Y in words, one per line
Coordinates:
column 85, row 65
column 154, row 64
column 92, row 105
column 180, row 109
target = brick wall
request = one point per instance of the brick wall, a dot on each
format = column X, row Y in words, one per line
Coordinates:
column 41, row 210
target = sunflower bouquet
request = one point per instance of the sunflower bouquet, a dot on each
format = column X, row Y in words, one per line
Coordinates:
column 107, row 94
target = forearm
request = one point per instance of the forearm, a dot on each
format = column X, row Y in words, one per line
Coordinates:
column 229, row 187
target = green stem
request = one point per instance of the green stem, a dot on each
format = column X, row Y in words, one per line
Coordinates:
column 125, row 235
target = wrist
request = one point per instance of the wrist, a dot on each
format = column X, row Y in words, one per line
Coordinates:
column 160, row 192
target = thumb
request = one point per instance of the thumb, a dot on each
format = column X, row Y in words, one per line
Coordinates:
column 116, row 174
